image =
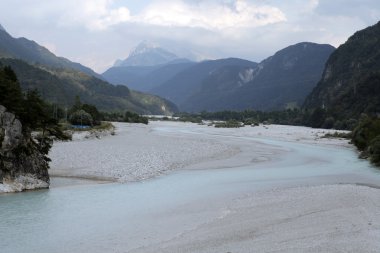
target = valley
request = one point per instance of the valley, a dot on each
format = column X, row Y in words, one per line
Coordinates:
column 189, row 126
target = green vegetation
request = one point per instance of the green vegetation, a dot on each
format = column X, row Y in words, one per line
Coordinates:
column 190, row 118
column 58, row 86
column 31, row 110
column 349, row 92
column 229, row 124
column 338, row 135
column 350, row 83
column 84, row 114
column 366, row 137
column 81, row 117
column 131, row 117
column 294, row 117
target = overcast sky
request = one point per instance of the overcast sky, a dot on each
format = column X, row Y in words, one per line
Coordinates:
column 97, row 32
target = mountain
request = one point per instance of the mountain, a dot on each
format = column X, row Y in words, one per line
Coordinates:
column 350, row 84
column 145, row 78
column 59, row 80
column 280, row 81
column 31, row 52
column 146, row 67
column 147, row 54
column 188, row 82
column 60, row 86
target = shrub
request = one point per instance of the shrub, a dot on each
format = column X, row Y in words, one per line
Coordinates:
column 132, row 117
column 374, row 150
column 329, row 123
column 229, row 124
column 81, row 117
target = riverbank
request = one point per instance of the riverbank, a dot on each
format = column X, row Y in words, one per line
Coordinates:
column 277, row 189
column 139, row 152
column 133, row 154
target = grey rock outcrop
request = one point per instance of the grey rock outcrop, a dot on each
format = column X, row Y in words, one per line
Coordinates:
column 22, row 166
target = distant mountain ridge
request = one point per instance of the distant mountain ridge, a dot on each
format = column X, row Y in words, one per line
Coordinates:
column 31, row 52
column 280, row 81
column 189, row 81
column 145, row 78
column 60, row 86
column 59, row 80
column 350, row 84
column 147, row 54
column 146, row 67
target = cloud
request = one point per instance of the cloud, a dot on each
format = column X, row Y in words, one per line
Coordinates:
column 96, row 32
column 210, row 14
column 92, row 14
column 98, row 15
column 89, row 14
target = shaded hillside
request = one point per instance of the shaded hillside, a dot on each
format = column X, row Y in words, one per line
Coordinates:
column 31, row 52
column 351, row 80
column 284, row 79
column 280, row 81
column 189, row 81
column 60, row 86
column 145, row 78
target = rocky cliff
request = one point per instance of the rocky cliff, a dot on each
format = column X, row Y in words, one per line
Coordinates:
column 350, row 84
column 22, row 166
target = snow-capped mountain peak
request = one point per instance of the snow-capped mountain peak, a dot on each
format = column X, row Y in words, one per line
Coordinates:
column 147, row 54
column 143, row 47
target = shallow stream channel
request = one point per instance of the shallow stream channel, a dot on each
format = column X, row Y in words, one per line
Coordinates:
column 83, row 216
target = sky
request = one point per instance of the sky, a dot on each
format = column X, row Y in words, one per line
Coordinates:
column 97, row 32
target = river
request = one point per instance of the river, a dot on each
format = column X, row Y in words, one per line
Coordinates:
column 75, row 216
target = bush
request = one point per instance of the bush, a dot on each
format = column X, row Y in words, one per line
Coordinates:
column 317, row 118
column 367, row 130
column 329, row 123
column 132, row 117
column 81, row 117
column 192, row 119
column 250, row 122
column 374, row 150
column 229, row 124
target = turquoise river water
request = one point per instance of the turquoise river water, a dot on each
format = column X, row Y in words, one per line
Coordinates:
column 92, row 217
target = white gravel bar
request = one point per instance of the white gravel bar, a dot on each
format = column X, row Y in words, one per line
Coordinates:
column 272, row 188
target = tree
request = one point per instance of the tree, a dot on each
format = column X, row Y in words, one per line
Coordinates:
column 77, row 104
column 81, row 118
column 132, row 117
column 31, row 110
column 374, row 150
column 35, row 114
column 317, row 118
column 10, row 92
column 93, row 111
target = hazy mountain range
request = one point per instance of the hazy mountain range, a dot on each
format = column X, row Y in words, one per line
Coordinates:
column 31, row 52
column 147, row 54
column 345, row 80
column 280, row 81
column 59, row 80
